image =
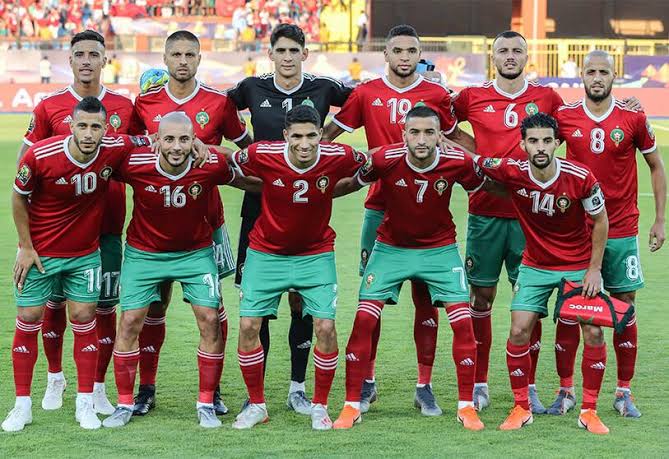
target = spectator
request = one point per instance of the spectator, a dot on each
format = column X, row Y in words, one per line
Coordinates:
column 569, row 69
column 45, row 70
column 250, row 67
column 362, row 30
column 355, row 70
column 247, row 39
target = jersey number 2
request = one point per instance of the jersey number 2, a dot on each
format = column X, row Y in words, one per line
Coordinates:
column 302, row 186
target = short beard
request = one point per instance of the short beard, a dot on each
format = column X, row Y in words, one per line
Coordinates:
column 510, row 76
column 176, row 165
column 543, row 166
column 411, row 72
column 76, row 142
column 596, row 98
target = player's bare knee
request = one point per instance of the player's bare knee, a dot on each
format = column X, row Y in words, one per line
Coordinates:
column 31, row 314
column 249, row 329
column 519, row 334
column 326, row 334
column 131, row 324
column 157, row 309
column 81, row 312
column 627, row 297
column 593, row 335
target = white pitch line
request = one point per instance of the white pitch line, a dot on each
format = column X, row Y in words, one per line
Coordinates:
column 648, row 195
column 661, row 128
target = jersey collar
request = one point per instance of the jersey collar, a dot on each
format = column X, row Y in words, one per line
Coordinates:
column 544, row 185
column 297, row 169
column 170, row 176
column 185, row 99
column 599, row 119
column 508, row 95
column 288, row 91
column 103, row 92
column 418, row 81
column 66, row 149
column 428, row 168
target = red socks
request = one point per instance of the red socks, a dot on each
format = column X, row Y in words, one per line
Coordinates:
column 325, row 367
column 626, row 347
column 251, row 364
column 106, row 333
column 53, row 329
column 518, row 362
column 425, row 327
column 210, row 367
column 151, row 340
column 535, row 347
column 359, row 347
column 482, row 323
column 464, row 349
column 125, row 371
column 223, row 320
column 376, row 335
column 592, row 367
column 24, row 355
column 567, row 339
column 85, row 354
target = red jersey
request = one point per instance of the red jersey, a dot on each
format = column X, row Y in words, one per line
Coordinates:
column 551, row 214
column 382, row 108
column 296, row 203
column 417, row 213
column 607, row 145
column 214, row 117
column 52, row 117
column 66, row 196
column 495, row 117
column 170, row 213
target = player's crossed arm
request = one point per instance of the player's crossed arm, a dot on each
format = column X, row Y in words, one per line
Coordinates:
column 489, row 185
column 363, row 177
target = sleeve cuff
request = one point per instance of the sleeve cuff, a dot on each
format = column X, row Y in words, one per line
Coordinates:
column 649, row 150
column 235, row 167
column 450, row 131
column 28, row 142
column 474, row 190
column 20, row 191
column 244, row 134
column 361, row 181
column 342, row 125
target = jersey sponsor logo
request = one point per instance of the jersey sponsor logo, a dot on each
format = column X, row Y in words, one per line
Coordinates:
column 377, row 103
column 598, row 366
column 23, row 175
column 522, row 192
column 21, row 350
column 278, row 182
column 115, row 121
column 106, row 172
column 617, row 135
column 322, row 183
column 467, row 362
column 195, row 190
column 140, row 141
column 364, row 256
column 559, row 348
column 369, row 279
column 305, row 345
column 265, row 104
column 431, row 323
column 627, row 345
column 31, row 125
column 202, row 118
column 401, row 183
column 563, row 203
column 61, row 181
column 90, row 348
column 517, row 372
column 577, row 133
column 492, row 163
column 531, row 109
column 367, row 167
column 243, row 157
column 151, row 189
column 67, row 119
column 440, row 185
column 649, row 128
column 489, row 109
column 157, row 118
column 351, row 357
column 359, row 157
column 469, row 264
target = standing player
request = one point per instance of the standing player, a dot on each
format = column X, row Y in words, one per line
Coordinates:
column 214, row 117
column 381, row 106
column 58, row 208
column 268, row 98
column 604, row 135
column 299, row 177
column 552, row 198
column 51, row 117
column 169, row 239
column 416, row 241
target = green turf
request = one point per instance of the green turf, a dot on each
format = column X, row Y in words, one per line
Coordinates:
column 393, row 427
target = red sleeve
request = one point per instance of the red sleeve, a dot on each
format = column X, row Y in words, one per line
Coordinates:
column 372, row 169
column 39, row 128
column 355, row 160
column 349, row 117
column 592, row 197
column 447, row 114
column 644, row 137
column 461, row 105
column 225, row 173
column 245, row 162
column 472, row 178
column 234, row 128
column 137, row 126
column 556, row 101
column 24, row 183
column 496, row 168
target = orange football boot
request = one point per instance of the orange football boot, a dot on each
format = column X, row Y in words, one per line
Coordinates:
column 517, row 418
column 589, row 421
column 347, row 418
column 469, row 418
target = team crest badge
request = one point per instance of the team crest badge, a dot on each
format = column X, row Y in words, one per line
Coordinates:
column 364, row 256
column 369, row 279
column 617, row 135
column 243, row 156
column 359, row 157
column 115, row 121
column 308, row 102
column 195, row 190
column 563, row 203
column 31, row 126
column 367, row 167
column 140, row 141
column 516, row 287
column 440, row 185
column 469, row 264
column 649, row 128
column 23, row 175
column 202, row 118
column 531, row 109
column 492, row 163
column 322, row 183
column 106, row 172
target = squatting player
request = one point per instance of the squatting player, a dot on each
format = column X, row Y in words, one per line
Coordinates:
column 602, row 133
column 291, row 246
column 52, row 117
column 214, row 117
column 169, row 239
column 268, row 97
column 552, row 198
column 58, row 207
column 416, row 241
column 381, row 106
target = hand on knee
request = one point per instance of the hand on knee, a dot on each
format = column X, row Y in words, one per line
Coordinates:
column 482, row 298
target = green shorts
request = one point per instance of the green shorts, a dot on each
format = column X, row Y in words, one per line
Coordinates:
column 79, row 278
column 535, row 286
column 143, row 272
column 621, row 268
column 440, row 268
column 267, row 276
column 225, row 260
column 370, row 223
column 492, row 241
